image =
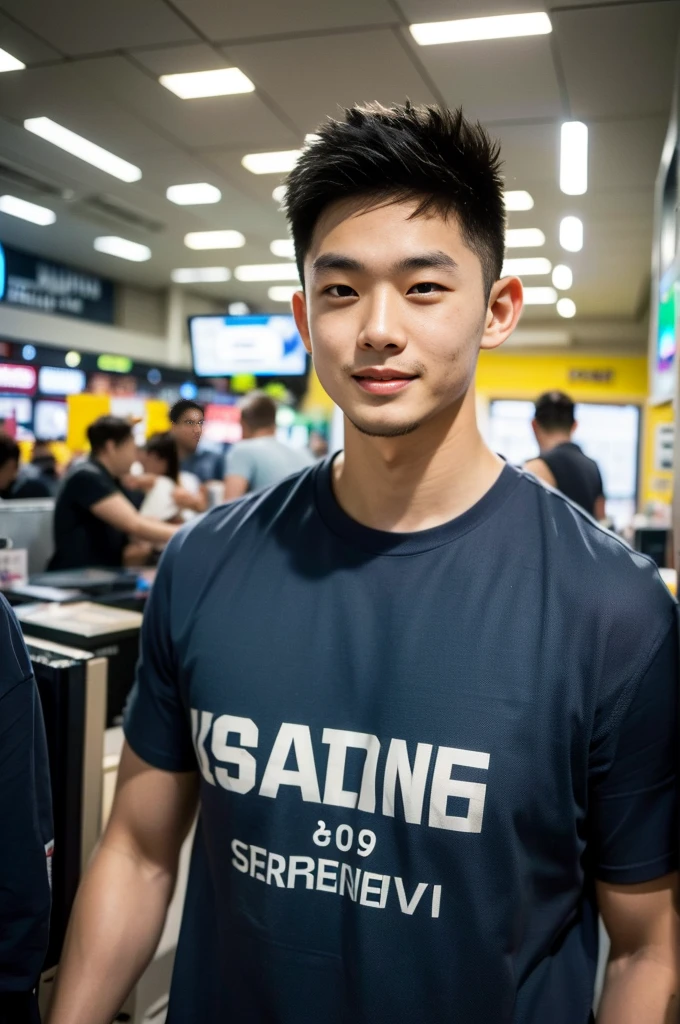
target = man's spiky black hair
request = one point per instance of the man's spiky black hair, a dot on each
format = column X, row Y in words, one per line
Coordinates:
column 403, row 153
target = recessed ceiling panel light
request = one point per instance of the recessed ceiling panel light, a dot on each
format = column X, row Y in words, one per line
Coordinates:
column 279, row 194
column 279, row 162
column 238, row 309
column 193, row 195
column 562, row 277
column 529, row 265
column 524, row 238
column 16, row 207
column 267, row 272
column 283, row 247
column 518, row 200
column 566, row 308
column 574, row 158
column 197, row 84
column 123, row 248
column 571, row 234
column 467, row 30
column 192, row 275
column 214, row 240
column 10, row 63
column 283, row 292
column 540, row 296
column 311, row 138
column 85, row 150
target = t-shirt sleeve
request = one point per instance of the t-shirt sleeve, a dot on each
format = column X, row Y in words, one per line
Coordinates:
column 25, row 820
column 634, row 804
column 87, row 488
column 240, row 462
column 156, row 721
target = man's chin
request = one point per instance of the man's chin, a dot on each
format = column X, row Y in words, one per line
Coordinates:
column 385, row 429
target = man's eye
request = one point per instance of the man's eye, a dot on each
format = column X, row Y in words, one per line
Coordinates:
column 340, row 291
column 425, row 288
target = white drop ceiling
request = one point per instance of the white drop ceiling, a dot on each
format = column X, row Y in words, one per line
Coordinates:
column 93, row 66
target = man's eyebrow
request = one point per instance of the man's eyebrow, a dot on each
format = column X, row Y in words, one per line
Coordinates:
column 336, row 261
column 435, row 260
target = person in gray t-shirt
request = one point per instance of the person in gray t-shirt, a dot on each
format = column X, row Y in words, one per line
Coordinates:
column 260, row 460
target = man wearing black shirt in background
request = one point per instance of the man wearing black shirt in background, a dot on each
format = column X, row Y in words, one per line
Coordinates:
column 12, row 483
column 561, row 463
column 95, row 524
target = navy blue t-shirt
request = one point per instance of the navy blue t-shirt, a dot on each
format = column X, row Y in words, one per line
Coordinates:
column 26, row 833
column 417, row 753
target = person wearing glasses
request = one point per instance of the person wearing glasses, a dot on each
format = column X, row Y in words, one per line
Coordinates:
column 186, row 418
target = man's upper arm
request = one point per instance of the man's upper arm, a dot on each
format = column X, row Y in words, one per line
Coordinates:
column 640, row 916
column 117, row 511
column 634, row 802
column 157, row 721
column 541, row 469
column 235, row 487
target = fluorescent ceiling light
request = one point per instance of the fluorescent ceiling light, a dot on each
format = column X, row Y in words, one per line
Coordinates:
column 539, row 296
column 566, row 308
column 191, row 275
column 193, row 195
column 271, row 163
column 267, row 272
column 524, row 238
column 214, row 240
column 279, row 194
column 123, row 248
column 311, row 138
column 10, row 63
column 467, row 30
column 16, row 207
column 283, row 247
column 518, row 200
column 562, row 277
column 85, row 150
column 571, row 234
column 238, row 309
column 529, row 265
column 197, row 84
column 574, row 158
column 283, row 292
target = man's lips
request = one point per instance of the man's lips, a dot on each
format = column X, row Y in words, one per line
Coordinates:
column 383, row 381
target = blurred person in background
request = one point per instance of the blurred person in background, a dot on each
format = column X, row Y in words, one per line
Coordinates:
column 206, row 465
column 16, row 482
column 561, row 463
column 26, row 832
column 428, row 708
column 260, row 460
column 160, row 460
column 95, row 524
column 44, row 466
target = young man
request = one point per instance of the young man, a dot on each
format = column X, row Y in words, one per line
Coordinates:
column 427, row 706
column 207, row 466
column 260, row 460
column 12, row 483
column 561, row 463
column 27, row 836
column 95, row 524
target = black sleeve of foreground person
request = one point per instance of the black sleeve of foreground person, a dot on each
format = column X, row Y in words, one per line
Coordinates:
column 25, row 828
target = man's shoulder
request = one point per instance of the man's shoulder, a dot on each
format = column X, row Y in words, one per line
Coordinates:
column 590, row 565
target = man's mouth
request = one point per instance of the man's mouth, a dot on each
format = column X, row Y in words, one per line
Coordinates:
column 382, row 380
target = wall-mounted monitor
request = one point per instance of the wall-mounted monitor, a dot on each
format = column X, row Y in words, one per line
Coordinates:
column 265, row 346
column 50, row 421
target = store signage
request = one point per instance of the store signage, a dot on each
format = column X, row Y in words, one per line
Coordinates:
column 114, row 364
column 17, row 378
column 59, row 380
column 591, row 376
column 49, row 287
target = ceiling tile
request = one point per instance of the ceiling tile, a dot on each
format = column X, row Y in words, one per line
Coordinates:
column 496, row 80
column 448, row 10
column 95, row 26
column 619, row 60
column 24, row 45
column 177, row 60
column 626, row 153
column 272, row 17
column 312, row 78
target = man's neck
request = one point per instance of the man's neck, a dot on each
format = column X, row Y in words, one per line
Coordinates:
column 551, row 441
column 265, row 432
column 103, row 461
column 184, row 452
column 419, row 481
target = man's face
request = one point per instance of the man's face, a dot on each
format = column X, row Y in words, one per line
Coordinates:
column 8, row 474
column 188, row 431
column 122, row 456
column 395, row 314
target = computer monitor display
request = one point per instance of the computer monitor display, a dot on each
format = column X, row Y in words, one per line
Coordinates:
column 265, row 346
column 50, row 420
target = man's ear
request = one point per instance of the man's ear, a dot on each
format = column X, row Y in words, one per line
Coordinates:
column 299, row 303
column 503, row 311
